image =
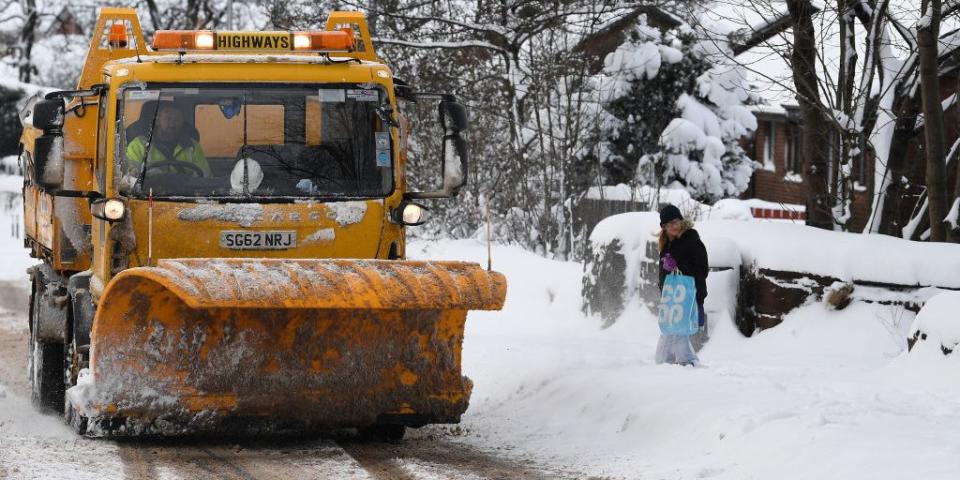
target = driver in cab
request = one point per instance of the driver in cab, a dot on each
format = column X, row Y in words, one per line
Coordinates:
column 172, row 142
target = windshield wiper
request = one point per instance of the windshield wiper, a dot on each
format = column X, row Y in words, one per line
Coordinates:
column 146, row 149
column 246, row 173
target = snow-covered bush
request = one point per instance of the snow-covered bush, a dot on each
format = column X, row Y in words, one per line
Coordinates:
column 936, row 329
column 675, row 112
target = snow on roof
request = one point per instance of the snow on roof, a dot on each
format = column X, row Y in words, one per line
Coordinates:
column 799, row 248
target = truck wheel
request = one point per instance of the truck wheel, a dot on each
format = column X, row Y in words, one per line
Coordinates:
column 47, row 383
column 46, row 367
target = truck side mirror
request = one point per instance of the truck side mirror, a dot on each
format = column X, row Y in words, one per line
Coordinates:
column 453, row 119
column 48, row 160
column 454, row 163
column 48, row 148
column 48, row 115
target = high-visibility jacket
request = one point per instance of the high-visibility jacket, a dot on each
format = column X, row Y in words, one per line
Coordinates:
column 191, row 153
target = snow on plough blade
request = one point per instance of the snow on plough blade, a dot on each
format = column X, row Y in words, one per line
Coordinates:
column 196, row 345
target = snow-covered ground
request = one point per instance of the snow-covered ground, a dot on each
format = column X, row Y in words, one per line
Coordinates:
column 827, row 394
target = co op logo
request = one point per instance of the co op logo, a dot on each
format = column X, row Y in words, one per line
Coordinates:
column 671, row 304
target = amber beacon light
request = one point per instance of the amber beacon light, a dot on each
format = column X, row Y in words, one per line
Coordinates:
column 118, row 35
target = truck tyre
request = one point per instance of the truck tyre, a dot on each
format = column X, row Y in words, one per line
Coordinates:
column 46, row 364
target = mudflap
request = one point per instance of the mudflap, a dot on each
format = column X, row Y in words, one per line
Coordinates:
column 204, row 345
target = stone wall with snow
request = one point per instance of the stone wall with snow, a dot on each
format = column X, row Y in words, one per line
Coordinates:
column 779, row 266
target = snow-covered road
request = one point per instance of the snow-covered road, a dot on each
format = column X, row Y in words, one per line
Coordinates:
column 35, row 446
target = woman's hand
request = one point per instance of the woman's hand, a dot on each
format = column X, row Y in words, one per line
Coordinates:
column 669, row 263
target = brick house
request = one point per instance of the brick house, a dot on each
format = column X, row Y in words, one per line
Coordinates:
column 779, row 180
column 775, row 145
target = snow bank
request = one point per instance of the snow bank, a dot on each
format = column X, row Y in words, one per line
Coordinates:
column 808, row 399
column 932, row 362
column 936, row 330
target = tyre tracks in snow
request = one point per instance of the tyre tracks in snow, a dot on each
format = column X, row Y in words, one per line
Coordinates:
column 435, row 458
column 248, row 460
column 339, row 457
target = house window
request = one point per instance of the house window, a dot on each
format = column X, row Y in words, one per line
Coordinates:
column 793, row 162
column 769, row 146
column 859, row 173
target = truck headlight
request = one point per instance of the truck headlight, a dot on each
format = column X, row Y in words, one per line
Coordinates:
column 410, row 214
column 114, row 209
column 109, row 209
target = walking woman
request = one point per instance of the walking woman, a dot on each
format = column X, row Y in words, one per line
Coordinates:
column 681, row 249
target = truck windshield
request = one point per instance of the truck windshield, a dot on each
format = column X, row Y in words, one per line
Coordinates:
column 255, row 141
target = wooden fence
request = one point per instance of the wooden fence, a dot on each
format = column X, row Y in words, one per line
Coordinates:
column 588, row 212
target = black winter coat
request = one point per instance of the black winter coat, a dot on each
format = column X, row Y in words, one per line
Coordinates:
column 691, row 257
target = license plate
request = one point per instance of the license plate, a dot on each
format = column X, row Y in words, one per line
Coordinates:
column 269, row 240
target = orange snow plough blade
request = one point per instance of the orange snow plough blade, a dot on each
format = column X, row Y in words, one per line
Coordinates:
column 198, row 344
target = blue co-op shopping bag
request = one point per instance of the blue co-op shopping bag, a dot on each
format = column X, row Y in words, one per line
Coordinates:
column 678, row 306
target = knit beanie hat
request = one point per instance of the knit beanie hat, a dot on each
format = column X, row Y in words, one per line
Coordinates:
column 669, row 213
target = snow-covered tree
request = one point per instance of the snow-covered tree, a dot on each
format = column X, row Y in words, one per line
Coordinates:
column 676, row 111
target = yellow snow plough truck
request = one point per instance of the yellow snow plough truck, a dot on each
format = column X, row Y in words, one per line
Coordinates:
column 221, row 220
